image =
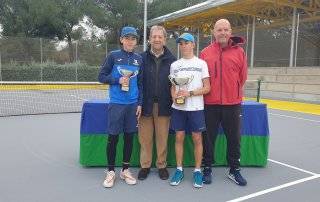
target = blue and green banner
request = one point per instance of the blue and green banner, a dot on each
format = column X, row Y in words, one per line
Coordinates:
column 254, row 138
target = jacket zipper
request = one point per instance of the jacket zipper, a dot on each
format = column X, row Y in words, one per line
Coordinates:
column 215, row 69
column 238, row 89
column 221, row 76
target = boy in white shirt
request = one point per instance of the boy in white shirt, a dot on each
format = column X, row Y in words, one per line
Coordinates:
column 190, row 113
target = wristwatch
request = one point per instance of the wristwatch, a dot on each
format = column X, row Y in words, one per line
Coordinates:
column 191, row 93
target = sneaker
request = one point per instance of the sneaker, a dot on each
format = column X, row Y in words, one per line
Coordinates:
column 177, row 177
column 163, row 173
column 235, row 175
column 143, row 173
column 127, row 177
column 207, row 175
column 197, row 179
column 109, row 180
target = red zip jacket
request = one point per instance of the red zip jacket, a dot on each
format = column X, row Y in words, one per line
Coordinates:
column 228, row 72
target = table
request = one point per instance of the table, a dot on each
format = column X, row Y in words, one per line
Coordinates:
column 254, row 138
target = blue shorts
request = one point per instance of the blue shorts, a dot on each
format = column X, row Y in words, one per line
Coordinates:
column 122, row 118
column 192, row 121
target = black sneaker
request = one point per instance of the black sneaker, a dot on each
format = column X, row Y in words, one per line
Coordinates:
column 207, row 175
column 163, row 173
column 235, row 175
column 143, row 173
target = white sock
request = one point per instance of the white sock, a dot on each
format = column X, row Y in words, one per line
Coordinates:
column 180, row 168
column 197, row 170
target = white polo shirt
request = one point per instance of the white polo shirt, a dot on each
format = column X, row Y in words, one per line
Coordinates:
column 196, row 68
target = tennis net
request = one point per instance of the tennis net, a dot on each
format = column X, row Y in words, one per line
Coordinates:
column 26, row 98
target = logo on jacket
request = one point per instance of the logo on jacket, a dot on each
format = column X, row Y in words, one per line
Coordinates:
column 135, row 62
column 119, row 59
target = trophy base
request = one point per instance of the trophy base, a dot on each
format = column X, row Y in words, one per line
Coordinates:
column 180, row 100
column 125, row 88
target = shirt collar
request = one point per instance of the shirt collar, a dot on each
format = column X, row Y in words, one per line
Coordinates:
column 156, row 55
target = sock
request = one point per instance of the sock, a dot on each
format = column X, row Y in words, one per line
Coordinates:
column 197, row 170
column 111, row 167
column 180, row 168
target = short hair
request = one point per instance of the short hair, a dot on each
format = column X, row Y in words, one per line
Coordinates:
column 160, row 28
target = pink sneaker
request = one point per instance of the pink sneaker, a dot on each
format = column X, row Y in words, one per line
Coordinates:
column 127, row 177
column 109, row 180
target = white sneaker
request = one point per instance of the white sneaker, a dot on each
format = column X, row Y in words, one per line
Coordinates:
column 109, row 180
column 127, row 176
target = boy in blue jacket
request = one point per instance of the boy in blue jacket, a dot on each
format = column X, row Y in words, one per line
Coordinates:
column 122, row 71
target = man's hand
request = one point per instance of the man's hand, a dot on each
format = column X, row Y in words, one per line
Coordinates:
column 183, row 93
column 138, row 113
column 124, row 80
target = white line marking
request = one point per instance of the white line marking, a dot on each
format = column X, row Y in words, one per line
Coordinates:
column 295, row 117
column 293, row 167
column 259, row 193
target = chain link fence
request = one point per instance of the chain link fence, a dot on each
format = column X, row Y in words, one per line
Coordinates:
column 38, row 59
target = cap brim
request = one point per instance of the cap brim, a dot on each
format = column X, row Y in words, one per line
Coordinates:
column 182, row 39
column 134, row 35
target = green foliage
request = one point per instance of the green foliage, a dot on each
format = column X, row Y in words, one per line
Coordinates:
column 50, row 72
column 45, row 18
column 119, row 13
column 58, row 18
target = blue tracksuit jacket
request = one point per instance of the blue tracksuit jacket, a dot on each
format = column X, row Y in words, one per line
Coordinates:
column 109, row 73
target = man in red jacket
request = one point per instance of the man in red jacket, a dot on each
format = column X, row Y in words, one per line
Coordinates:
column 227, row 66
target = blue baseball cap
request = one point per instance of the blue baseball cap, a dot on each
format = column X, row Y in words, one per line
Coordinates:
column 185, row 37
column 129, row 31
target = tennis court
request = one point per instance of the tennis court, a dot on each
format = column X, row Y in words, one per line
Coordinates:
column 40, row 154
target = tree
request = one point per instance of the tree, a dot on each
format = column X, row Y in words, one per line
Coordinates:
column 45, row 18
column 119, row 13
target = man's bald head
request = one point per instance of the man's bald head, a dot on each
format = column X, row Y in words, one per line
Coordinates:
column 222, row 32
column 222, row 22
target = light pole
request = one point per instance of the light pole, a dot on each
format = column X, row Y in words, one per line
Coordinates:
column 145, row 25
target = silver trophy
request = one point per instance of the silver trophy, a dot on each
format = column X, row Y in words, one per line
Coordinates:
column 180, row 82
column 126, row 73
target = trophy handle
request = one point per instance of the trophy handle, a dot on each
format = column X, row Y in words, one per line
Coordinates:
column 190, row 79
column 171, row 79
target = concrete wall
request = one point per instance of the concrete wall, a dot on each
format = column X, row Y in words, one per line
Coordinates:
column 288, row 83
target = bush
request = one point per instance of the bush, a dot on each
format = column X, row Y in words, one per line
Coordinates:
column 50, row 72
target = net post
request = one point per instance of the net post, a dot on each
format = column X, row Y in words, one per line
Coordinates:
column 258, row 90
column 0, row 67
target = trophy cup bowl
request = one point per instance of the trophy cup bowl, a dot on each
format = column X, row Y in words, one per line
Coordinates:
column 180, row 81
column 128, row 74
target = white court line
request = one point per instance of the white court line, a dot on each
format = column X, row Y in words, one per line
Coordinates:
column 314, row 176
column 259, row 193
column 295, row 117
column 293, row 167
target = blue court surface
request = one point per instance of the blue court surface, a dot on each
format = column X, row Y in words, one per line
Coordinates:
column 40, row 162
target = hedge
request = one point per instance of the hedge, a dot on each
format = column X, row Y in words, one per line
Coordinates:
column 51, row 72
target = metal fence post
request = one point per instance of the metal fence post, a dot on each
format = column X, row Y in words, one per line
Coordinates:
column 293, row 32
column 76, row 58
column 41, row 61
column 106, row 48
column 0, row 67
column 41, row 53
column 297, row 38
column 198, row 41
column 253, row 41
